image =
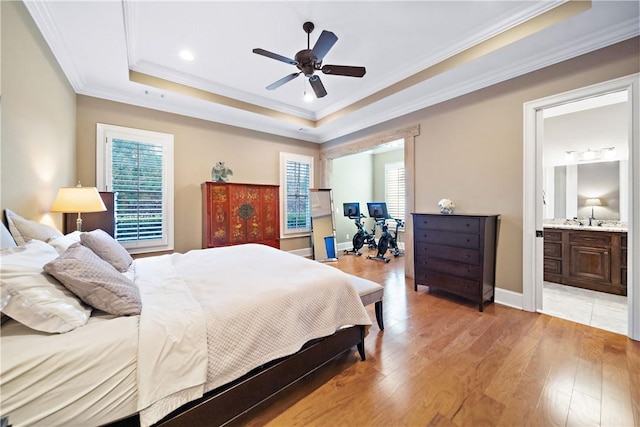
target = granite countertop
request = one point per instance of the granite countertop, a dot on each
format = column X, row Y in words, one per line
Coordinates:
column 575, row 225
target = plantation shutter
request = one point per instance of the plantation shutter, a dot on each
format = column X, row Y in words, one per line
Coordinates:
column 137, row 179
column 395, row 190
column 298, row 179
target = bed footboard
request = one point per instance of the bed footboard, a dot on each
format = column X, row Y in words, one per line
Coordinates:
column 224, row 404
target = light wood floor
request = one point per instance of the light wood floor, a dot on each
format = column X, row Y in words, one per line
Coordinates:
column 441, row 362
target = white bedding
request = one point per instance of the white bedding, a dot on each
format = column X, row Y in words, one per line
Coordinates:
column 208, row 317
column 66, row 379
column 259, row 304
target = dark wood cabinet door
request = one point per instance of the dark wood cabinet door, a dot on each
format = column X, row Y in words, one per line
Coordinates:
column 591, row 263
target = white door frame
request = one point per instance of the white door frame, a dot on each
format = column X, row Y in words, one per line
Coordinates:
column 532, row 267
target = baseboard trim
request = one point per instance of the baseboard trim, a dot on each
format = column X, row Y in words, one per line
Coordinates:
column 508, row 298
column 502, row 296
column 304, row 252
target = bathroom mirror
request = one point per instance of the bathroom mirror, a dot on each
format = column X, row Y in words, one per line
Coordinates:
column 323, row 231
column 570, row 188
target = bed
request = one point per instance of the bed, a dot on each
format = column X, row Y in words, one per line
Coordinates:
column 219, row 330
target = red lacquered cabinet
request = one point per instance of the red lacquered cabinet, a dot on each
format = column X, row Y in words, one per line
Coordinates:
column 234, row 213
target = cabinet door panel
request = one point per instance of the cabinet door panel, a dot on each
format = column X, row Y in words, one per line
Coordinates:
column 219, row 221
column 553, row 266
column 590, row 263
column 552, row 249
column 271, row 227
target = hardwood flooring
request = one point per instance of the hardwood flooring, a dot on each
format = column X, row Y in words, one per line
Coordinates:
column 440, row 362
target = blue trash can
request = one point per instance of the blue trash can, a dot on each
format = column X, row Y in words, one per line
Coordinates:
column 329, row 244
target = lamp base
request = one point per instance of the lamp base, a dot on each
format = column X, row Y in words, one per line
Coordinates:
column 79, row 223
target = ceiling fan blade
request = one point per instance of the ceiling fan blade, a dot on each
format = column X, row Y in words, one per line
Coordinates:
column 344, row 70
column 275, row 56
column 317, row 86
column 282, row 81
column 325, row 42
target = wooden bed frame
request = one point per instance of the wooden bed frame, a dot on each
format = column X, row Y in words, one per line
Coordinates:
column 222, row 405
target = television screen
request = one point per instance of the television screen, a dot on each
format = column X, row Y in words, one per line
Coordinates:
column 378, row 210
column 351, row 209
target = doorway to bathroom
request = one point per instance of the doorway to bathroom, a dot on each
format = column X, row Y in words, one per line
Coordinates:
column 561, row 213
column 585, row 211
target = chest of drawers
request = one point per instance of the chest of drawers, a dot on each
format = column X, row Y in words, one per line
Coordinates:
column 456, row 254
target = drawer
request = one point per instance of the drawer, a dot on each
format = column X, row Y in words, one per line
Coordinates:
column 449, row 267
column 456, row 285
column 461, row 240
column 551, row 235
column 552, row 249
column 468, row 256
column 593, row 238
column 447, row 223
column 552, row 266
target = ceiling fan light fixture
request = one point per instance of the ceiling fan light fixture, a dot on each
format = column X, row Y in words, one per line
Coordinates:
column 308, row 97
column 186, row 55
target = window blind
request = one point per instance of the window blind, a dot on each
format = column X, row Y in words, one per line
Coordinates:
column 298, row 178
column 137, row 179
column 395, row 191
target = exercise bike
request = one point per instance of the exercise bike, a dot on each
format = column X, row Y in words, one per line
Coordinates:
column 378, row 210
column 388, row 241
column 362, row 236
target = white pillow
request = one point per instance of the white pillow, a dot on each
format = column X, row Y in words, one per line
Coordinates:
column 107, row 248
column 62, row 243
column 6, row 239
column 24, row 230
column 95, row 281
column 33, row 297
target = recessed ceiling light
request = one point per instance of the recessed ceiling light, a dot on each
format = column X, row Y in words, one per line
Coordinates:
column 186, row 55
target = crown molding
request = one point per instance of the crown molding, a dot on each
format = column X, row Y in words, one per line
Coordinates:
column 43, row 18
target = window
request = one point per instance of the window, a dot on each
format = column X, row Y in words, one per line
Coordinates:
column 137, row 165
column 296, row 178
column 394, row 183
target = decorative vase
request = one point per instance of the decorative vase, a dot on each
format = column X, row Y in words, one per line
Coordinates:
column 446, row 211
column 446, row 206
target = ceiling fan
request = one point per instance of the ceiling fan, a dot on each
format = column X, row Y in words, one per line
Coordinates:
column 310, row 60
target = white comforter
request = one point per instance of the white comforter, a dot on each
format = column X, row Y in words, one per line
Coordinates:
column 210, row 316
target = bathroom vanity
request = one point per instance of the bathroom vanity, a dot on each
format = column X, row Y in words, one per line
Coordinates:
column 590, row 257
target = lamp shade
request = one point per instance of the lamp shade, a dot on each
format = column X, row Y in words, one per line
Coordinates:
column 593, row 202
column 78, row 199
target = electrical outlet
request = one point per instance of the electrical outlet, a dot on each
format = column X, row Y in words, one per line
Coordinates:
column 347, row 236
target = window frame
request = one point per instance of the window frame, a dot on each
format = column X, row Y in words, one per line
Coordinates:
column 387, row 168
column 298, row 158
column 104, row 134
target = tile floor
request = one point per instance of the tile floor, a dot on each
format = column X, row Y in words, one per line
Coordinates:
column 598, row 309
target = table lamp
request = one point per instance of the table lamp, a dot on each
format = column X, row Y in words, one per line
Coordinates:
column 78, row 199
column 593, row 202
